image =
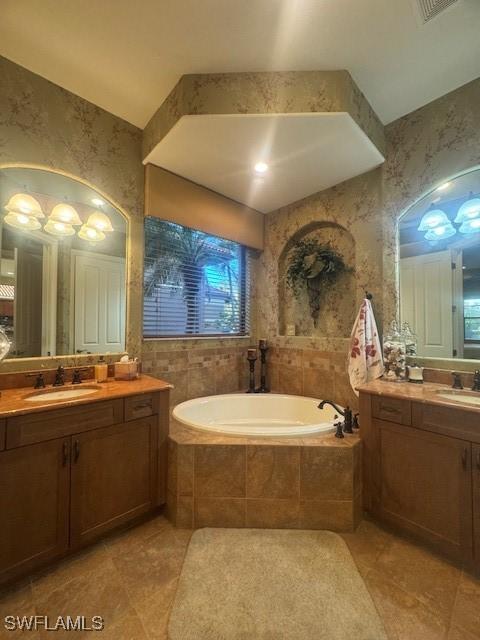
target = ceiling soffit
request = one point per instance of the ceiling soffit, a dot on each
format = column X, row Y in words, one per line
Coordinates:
column 264, row 93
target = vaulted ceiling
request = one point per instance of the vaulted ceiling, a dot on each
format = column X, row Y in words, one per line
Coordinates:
column 127, row 56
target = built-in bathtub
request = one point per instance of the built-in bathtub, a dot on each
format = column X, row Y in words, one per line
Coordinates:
column 257, row 415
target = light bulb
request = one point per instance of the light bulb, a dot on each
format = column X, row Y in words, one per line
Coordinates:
column 91, row 234
column 261, row 167
column 24, row 204
column 65, row 213
column 55, row 228
column 99, row 220
column 22, row 221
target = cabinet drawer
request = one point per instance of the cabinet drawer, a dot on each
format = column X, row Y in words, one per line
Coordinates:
column 141, row 406
column 392, row 409
column 57, row 423
column 2, row 435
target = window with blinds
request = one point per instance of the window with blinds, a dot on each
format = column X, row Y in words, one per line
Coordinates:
column 195, row 284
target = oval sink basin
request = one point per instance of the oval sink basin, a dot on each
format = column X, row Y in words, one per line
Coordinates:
column 465, row 397
column 70, row 393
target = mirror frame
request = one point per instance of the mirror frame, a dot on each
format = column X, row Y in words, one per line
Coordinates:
column 11, row 365
column 462, row 364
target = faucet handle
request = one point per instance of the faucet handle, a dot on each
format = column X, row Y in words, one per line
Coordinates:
column 457, row 380
column 39, row 379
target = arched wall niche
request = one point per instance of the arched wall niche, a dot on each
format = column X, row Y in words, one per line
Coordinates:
column 338, row 301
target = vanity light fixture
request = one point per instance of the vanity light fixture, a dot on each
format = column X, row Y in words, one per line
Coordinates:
column 22, row 221
column 66, row 214
column 441, row 232
column 433, row 218
column 261, row 167
column 470, row 226
column 469, row 210
column 24, row 204
column 99, row 221
column 91, row 234
column 56, row 228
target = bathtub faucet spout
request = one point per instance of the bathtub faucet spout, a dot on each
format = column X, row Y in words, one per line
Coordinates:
column 346, row 413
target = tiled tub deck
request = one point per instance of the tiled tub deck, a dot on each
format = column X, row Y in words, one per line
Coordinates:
column 312, row 482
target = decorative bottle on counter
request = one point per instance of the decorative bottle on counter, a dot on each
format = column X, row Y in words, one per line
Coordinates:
column 410, row 340
column 394, row 355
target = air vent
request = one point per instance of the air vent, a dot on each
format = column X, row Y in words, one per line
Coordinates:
column 430, row 9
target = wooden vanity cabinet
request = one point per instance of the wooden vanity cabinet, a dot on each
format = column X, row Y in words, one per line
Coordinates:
column 113, row 479
column 476, row 502
column 425, row 486
column 61, row 493
column 34, row 505
column 422, row 472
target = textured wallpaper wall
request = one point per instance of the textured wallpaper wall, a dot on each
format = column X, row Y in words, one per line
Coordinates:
column 423, row 149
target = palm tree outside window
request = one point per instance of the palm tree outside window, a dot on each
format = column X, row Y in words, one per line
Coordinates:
column 195, row 284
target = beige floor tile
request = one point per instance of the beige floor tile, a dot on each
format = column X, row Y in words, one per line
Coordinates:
column 430, row 579
column 95, row 593
column 125, row 541
column 466, row 612
column 61, row 573
column 155, row 610
column 367, row 543
column 17, row 602
column 404, row 617
column 153, row 565
column 457, row 633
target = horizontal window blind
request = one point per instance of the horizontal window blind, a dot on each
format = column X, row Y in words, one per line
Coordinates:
column 195, row 284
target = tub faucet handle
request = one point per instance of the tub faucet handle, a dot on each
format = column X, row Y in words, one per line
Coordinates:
column 339, row 431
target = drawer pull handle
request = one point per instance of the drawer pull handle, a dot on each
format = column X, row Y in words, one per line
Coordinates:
column 65, row 454
column 388, row 409
column 145, row 405
column 464, row 457
column 76, row 450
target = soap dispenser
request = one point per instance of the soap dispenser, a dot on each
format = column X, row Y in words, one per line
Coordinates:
column 101, row 370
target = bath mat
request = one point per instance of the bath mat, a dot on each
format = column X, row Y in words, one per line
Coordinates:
column 249, row 584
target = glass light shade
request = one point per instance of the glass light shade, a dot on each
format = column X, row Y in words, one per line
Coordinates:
column 65, row 213
column 91, row 234
column 100, row 221
column 441, row 232
column 22, row 221
column 55, row 228
column 468, row 211
column 24, row 204
column 433, row 218
column 470, row 226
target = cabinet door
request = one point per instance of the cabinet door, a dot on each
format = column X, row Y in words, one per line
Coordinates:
column 425, row 486
column 34, row 498
column 476, row 503
column 114, row 474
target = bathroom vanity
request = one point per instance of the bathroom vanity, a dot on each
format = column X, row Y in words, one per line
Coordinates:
column 421, row 464
column 73, row 469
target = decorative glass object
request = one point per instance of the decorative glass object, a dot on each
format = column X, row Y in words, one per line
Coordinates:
column 410, row 340
column 394, row 355
column 5, row 344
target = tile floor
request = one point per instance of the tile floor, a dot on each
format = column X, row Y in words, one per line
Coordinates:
column 130, row 579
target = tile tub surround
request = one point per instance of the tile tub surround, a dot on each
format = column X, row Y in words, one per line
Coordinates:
column 297, row 483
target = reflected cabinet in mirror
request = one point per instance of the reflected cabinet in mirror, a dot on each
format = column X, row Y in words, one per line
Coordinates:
column 63, row 250
column 440, row 269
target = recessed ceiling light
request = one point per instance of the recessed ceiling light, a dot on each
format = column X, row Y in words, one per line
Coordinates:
column 261, row 167
column 444, row 186
column 97, row 202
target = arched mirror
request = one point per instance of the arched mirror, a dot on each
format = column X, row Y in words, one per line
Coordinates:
column 439, row 252
column 62, row 269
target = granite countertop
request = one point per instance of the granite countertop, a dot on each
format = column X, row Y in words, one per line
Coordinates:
column 13, row 401
column 426, row 393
